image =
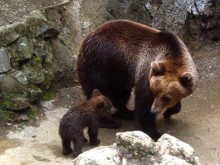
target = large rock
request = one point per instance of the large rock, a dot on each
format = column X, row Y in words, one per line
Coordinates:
column 18, row 103
column 192, row 19
column 26, row 59
column 20, row 50
column 171, row 15
column 203, row 20
column 10, row 85
column 33, row 25
column 103, row 155
column 138, row 148
column 137, row 143
column 169, row 145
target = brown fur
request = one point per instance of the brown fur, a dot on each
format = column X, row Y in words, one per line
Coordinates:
column 81, row 116
column 122, row 54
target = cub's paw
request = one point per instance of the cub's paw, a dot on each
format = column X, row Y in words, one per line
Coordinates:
column 94, row 142
column 67, row 151
column 75, row 154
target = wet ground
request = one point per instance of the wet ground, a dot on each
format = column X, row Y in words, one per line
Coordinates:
column 198, row 123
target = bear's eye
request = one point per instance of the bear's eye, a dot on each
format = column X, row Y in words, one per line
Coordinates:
column 166, row 99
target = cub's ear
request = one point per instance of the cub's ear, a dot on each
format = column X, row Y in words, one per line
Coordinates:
column 157, row 68
column 96, row 93
column 186, row 79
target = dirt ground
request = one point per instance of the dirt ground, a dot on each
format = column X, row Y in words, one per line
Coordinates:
column 198, row 123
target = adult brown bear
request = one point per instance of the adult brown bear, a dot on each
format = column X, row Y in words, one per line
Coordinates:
column 122, row 54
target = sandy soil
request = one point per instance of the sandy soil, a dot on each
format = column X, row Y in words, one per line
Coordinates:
column 197, row 124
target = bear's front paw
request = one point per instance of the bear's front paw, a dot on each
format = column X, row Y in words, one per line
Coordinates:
column 166, row 115
column 94, row 142
column 85, row 140
column 155, row 135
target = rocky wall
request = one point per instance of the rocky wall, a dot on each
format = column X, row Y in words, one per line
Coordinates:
column 195, row 21
column 33, row 60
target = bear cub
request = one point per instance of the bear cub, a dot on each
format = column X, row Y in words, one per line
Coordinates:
column 84, row 115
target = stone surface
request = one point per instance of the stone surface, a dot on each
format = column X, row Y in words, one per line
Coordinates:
column 137, row 143
column 10, row 85
column 20, row 76
column 18, row 103
column 31, row 60
column 171, row 15
column 34, row 71
column 20, row 50
column 33, row 25
column 203, row 20
column 99, row 156
column 168, row 159
column 169, row 145
column 4, row 61
column 10, row 33
column 34, row 94
column 136, row 147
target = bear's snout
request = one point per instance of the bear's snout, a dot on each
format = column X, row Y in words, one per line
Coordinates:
column 153, row 111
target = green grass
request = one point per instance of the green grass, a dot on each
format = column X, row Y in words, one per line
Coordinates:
column 49, row 94
column 32, row 113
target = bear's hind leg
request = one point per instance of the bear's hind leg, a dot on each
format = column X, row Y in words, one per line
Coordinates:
column 78, row 145
column 66, row 147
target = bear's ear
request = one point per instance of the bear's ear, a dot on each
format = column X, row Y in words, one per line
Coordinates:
column 186, row 79
column 157, row 68
column 96, row 93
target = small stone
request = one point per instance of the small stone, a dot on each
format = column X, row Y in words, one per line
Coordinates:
column 19, row 103
column 9, row 124
column 20, row 50
column 20, row 76
column 22, row 118
column 34, row 94
column 4, row 61
column 10, row 85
